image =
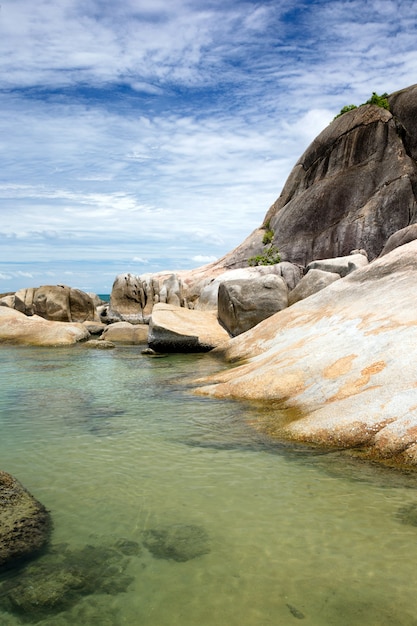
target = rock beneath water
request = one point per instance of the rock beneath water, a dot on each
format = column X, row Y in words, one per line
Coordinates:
column 178, row 542
column 246, row 302
column 407, row 514
column 25, row 524
column 58, row 580
column 176, row 329
column 15, row 327
column 312, row 282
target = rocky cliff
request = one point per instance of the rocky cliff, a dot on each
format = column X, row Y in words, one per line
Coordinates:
column 353, row 187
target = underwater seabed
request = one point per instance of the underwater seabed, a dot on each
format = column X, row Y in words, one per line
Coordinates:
column 169, row 510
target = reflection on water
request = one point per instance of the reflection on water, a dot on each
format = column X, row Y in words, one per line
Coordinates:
column 169, row 510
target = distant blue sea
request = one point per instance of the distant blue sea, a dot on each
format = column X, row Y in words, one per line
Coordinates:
column 104, row 296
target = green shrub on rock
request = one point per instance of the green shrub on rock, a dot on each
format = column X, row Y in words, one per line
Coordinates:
column 380, row 101
column 270, row 256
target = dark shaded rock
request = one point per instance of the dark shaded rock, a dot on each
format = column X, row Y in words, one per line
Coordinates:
column 25, row 524
column 243, row 303
column 403, row 105
column 179, row 542
column 57, row 581
column 354, row 186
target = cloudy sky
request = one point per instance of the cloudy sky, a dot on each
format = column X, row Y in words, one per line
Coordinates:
column 147, row 135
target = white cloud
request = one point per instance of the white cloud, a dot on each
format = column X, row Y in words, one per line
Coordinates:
column 201, row 258
column 168, row 129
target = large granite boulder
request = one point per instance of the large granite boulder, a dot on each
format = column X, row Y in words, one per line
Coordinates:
column 132, row 297
column 338, row 366
column 126, row 333
column 177, row 329
column 25, row 524
column 312, row 282
column 58, row 303
column 127, row 300
column 352, row 188
column 16, row 327
column 243, row 303
column 208, row 298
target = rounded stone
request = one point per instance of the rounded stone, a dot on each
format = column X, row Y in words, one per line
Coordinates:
column 25, row 524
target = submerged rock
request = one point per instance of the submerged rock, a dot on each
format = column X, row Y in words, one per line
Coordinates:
column 179, row 542
column 407, row 514
column 60, row 579
column 25, row 524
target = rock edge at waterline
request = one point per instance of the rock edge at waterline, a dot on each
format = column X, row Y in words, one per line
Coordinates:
column 25, row 524
column 338, row 368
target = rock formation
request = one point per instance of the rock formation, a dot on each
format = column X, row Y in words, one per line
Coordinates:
column 58, row 303
column 177, row 329
column 341, row 371
column 243, row 303
column 15, row 327
column 24, row 523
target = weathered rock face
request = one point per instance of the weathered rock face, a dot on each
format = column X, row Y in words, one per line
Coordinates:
column 24, row 523
column 208, row 299
column 16, row 327
column 341, row 370
column 177, row 329
column 57, row 303
column 133, row 297
column 354, row 186
column 127, row 300
column 244, row 303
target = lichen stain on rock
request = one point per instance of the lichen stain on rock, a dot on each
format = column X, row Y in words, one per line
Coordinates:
column 340, row 367
column 355, row 386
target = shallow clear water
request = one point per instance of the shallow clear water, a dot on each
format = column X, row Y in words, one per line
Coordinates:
column 115, row 445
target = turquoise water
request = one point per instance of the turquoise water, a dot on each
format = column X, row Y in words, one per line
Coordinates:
column 120, row 451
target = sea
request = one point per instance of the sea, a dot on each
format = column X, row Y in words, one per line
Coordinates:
column 170, row 508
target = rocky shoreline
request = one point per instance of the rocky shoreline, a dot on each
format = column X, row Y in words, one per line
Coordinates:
column 325, row 335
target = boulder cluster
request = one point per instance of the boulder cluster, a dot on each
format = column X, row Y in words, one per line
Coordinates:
column 325, row 334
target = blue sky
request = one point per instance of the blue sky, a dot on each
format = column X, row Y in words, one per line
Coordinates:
column 149, row 135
